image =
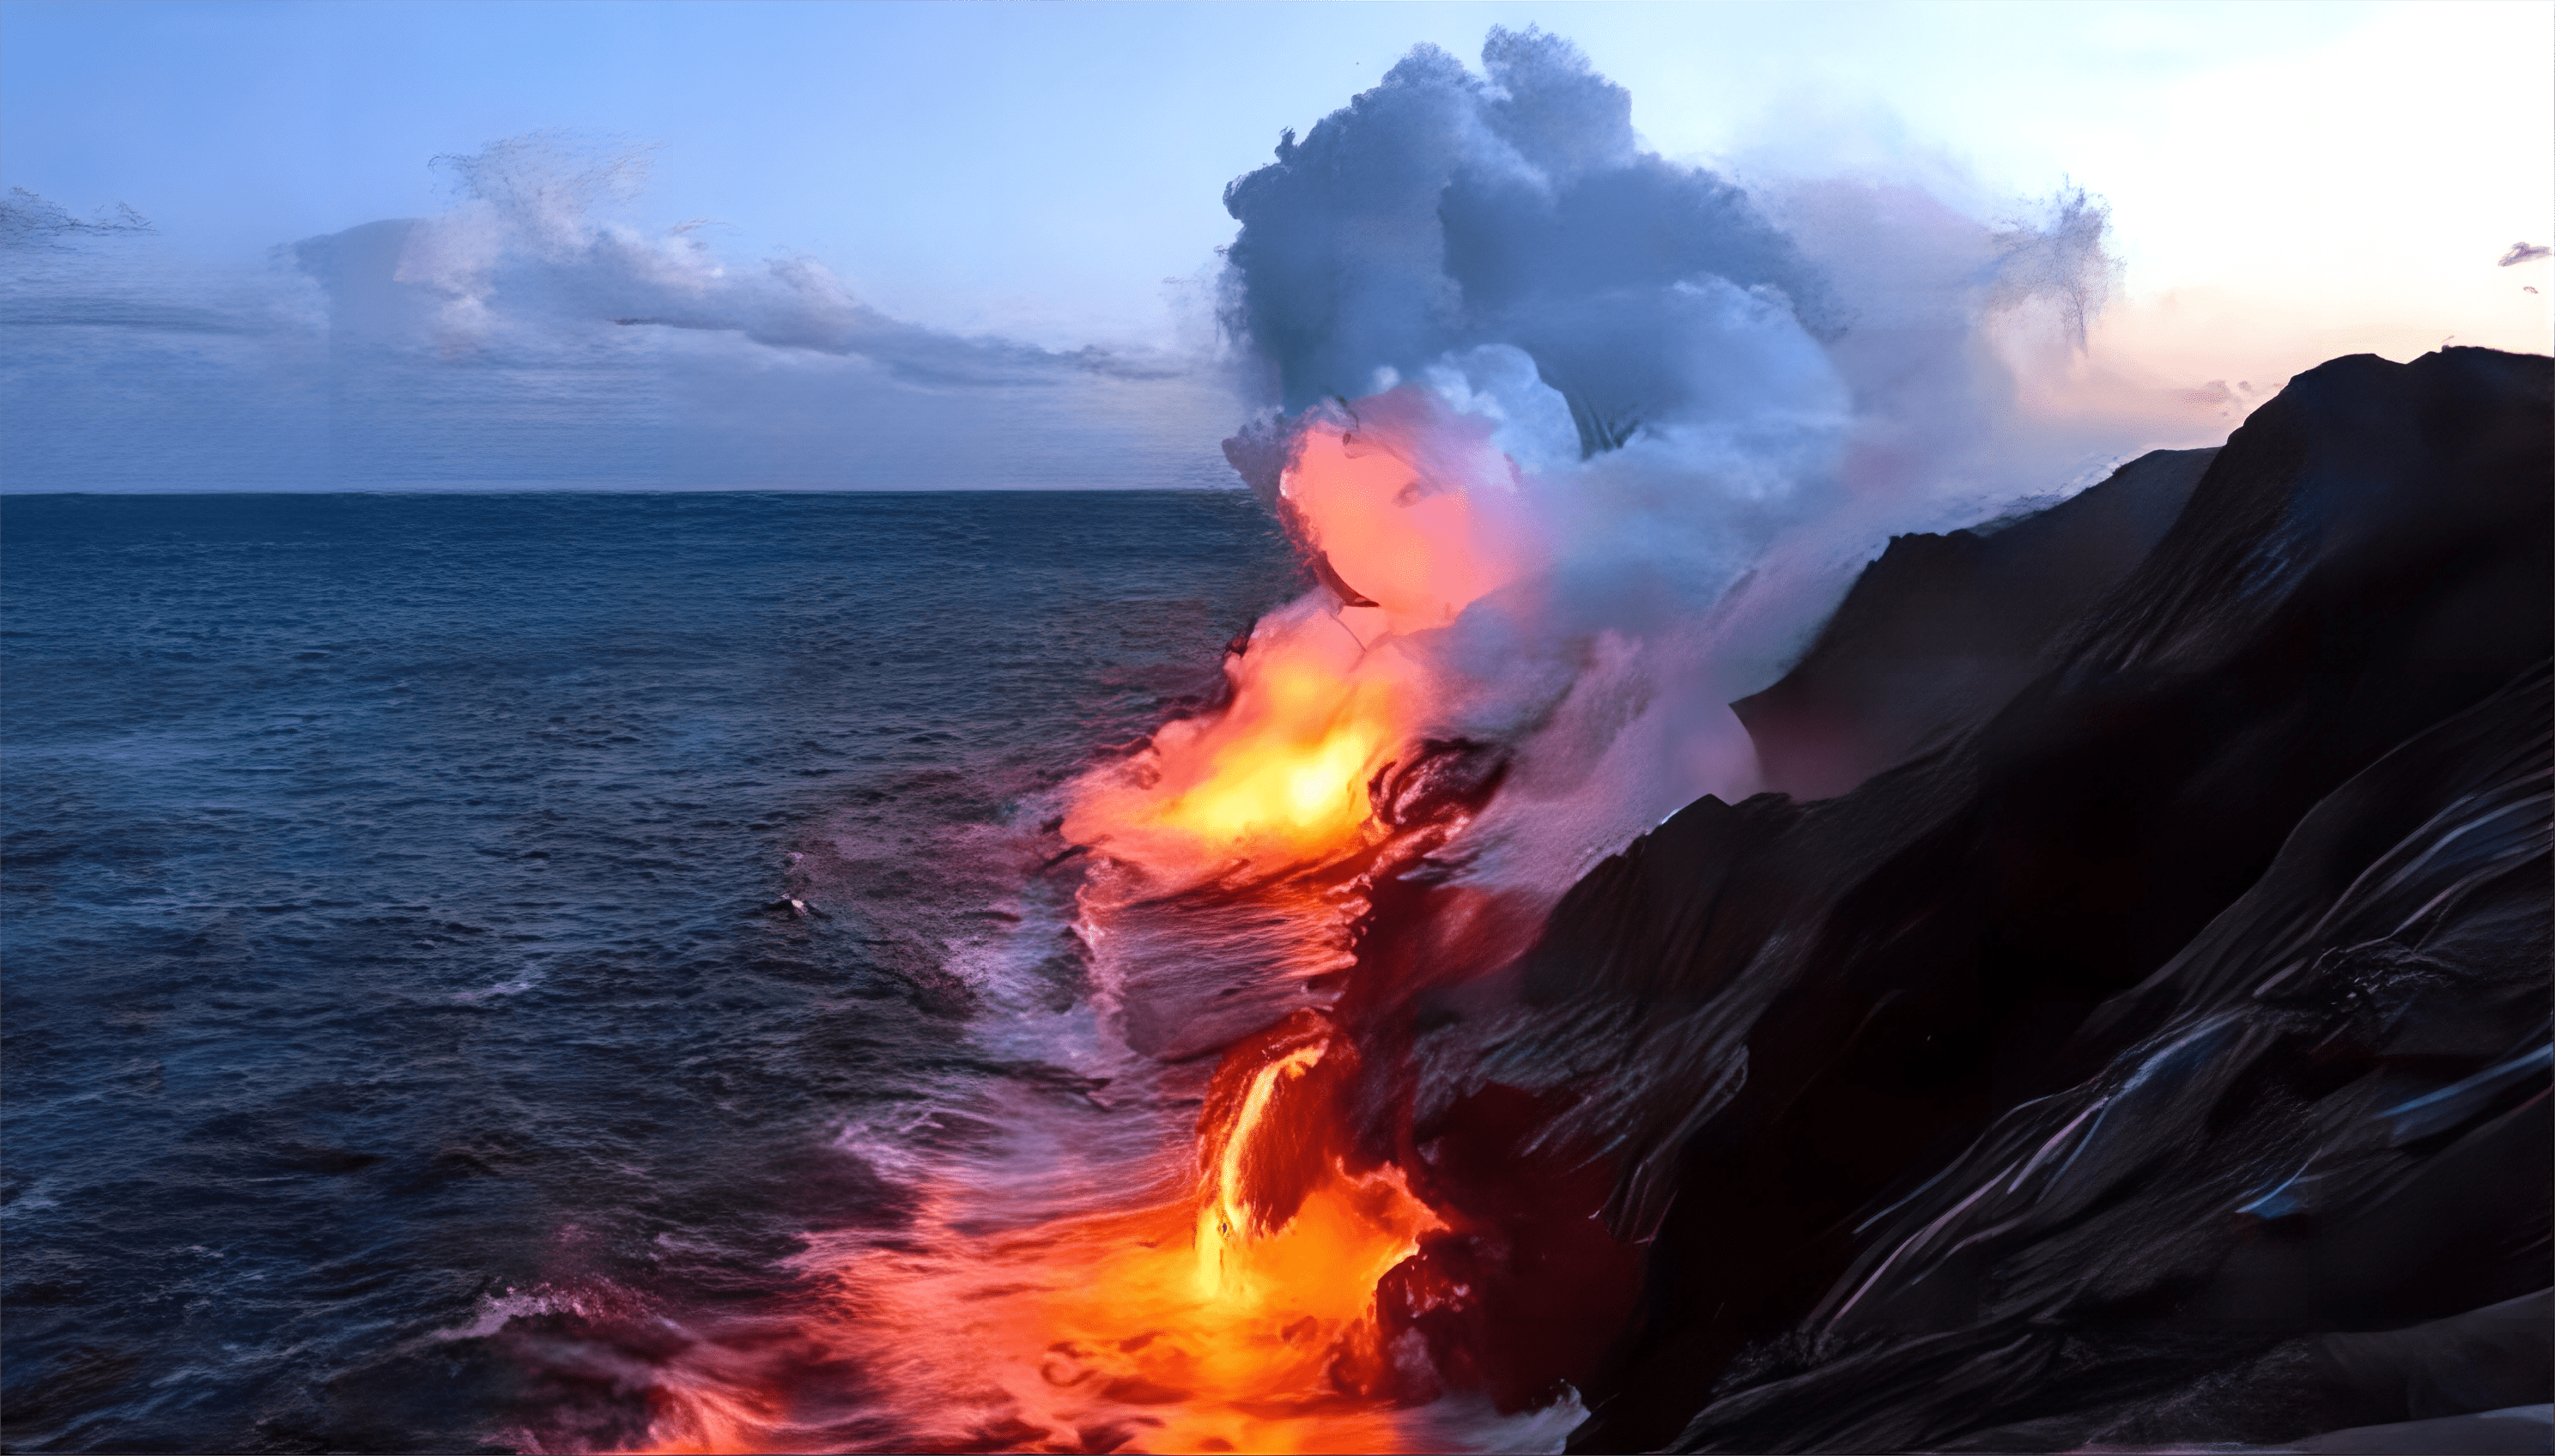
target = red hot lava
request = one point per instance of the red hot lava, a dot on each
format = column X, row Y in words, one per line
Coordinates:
column 1326, row 1275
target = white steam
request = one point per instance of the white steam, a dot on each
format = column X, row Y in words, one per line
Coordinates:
column 1720, row 401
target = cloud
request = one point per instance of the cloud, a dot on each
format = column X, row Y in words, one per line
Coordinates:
column 531, row 334
column 533, row 248
column 1716, row 402
column 1443, row 210
column 31, row 221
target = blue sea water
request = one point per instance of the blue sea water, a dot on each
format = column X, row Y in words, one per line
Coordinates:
column 397, row 911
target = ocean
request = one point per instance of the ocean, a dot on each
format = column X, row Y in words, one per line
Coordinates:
column 453, row 940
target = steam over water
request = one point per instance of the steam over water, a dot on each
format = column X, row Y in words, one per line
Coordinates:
column 818, row 973
column 408, row 1035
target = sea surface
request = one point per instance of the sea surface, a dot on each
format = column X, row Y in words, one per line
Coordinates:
column 414, row 942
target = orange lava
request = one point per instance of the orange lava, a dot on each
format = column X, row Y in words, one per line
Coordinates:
column 1213, row 1319
column 1278, row 779
column 1237, row 1327
column 1412, row 512
column 1224, row 1318
column 1209, row 1322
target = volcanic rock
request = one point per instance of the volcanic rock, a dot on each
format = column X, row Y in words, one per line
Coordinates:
column 2153, row 1047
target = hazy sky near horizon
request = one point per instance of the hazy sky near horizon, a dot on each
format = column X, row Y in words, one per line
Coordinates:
column 2286, row 180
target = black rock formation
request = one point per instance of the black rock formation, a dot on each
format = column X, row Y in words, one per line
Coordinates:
column 2155, row 1049
column 1944, row 630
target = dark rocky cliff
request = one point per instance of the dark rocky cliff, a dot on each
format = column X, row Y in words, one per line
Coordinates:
column 2129, row 1063
column 1944, row 630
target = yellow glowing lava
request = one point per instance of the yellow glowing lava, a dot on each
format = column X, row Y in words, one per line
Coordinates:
column 1212, row 1321
column 1221, row 1336
column 1328, row 690
column 1292, row 761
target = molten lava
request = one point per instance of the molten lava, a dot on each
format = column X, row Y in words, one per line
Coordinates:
column 1239, row 1312
column 1413, row 514
column 1409, row 515
column 1225, row 1317
column 1278, row 777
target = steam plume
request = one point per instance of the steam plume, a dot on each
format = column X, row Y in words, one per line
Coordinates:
column 1714, row 400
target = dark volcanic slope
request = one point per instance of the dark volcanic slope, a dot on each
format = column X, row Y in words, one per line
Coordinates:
column 2123, row 1069
column 1944, row 630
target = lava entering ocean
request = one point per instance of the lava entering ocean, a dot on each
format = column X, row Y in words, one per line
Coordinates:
column 1459, row 1027
column 1272, row 1302
column 1330, row 1242
column 1219, row 1291
column 1262, row 1228
column 1406, row 513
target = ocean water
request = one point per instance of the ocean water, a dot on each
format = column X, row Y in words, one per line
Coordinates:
column 438, row 927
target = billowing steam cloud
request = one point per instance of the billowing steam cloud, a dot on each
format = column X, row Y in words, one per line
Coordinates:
column 1712, row 403
column 1443, row 210
column 529, row 334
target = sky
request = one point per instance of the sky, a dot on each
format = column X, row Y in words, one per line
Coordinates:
column 2286, row 181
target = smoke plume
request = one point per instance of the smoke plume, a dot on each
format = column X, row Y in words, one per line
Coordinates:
column 1677, row 410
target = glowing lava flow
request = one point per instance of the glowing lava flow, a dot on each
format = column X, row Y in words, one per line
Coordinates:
column 1222, row 1333
column 1278, row 777
column 1411, row 516
column 1213, row 1307
column 1408, row 514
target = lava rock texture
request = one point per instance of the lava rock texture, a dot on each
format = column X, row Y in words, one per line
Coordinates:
column 2146, row 1039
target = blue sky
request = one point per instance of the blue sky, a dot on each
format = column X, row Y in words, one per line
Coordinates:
column 1042, row 168
column 2287, row 180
